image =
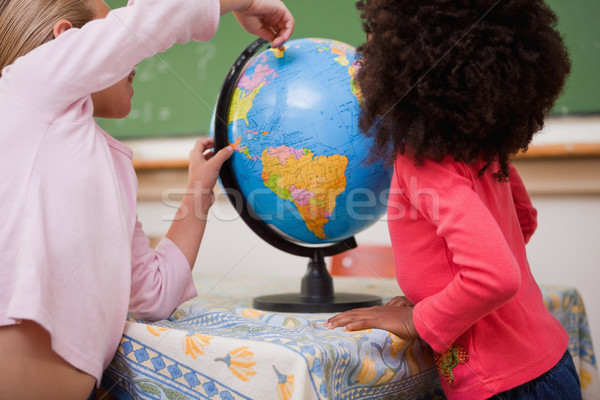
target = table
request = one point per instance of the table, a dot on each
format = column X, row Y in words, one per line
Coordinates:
column 216, row 346
column 567, row 306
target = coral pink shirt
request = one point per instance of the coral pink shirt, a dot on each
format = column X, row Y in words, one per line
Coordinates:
column 74, row 256
column 459, row 248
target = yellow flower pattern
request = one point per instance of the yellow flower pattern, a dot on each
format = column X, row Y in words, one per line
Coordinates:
column 193, row 345
column 240, row 362
column 252, row 313
column 291, row 323
column 285, row 385
column 179, row 313
column 415, row 359
column 397, row 344
column 386, row 377
column 367, row 370
column 552, row 301
column 156, row 330
column 585, row 377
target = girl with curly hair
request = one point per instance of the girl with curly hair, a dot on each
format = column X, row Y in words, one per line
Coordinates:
column 452, row 89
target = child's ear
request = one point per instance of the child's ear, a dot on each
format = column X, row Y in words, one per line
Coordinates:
column 61, row 26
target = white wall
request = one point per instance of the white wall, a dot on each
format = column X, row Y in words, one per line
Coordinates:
column 565, row 250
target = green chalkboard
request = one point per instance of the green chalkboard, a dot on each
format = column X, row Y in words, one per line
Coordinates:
column 578, row 21
column 175, row 91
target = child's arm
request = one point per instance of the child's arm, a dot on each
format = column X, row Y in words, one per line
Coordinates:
column 161, row 278
column 156, row 272
column 58, row 76
column 525, row 211
column 187, row 228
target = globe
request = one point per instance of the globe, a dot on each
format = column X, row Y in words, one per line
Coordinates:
column 300, row 175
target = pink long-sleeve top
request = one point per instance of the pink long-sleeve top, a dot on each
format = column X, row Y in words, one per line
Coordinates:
column 459, row 248
column 74, row 257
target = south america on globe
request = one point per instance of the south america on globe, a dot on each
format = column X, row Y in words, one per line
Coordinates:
column 300, row 160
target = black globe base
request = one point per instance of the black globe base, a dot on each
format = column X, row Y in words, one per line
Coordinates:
column 296, row 303
column 316, row 294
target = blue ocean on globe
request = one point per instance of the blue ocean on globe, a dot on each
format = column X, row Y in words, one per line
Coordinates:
column 300, row 160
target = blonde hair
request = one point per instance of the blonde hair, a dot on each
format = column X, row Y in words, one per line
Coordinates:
column 27, row 24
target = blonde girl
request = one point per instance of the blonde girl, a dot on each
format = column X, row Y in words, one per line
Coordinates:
column 74, row 256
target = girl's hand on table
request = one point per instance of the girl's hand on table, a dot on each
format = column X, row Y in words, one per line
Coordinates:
column 395, row 317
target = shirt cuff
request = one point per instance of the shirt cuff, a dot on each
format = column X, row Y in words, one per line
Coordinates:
column 429, row 336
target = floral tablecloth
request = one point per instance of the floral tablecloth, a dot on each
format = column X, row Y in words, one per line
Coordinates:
column 566, row 305
column 217, row 347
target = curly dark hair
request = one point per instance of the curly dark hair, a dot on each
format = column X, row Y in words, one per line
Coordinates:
column 471, row 79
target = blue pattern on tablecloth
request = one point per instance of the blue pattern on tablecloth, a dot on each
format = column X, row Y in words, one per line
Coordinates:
column 133, row 377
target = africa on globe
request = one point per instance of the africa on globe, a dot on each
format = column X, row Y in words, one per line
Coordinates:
column 300, row 160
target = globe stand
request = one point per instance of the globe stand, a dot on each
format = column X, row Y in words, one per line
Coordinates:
column 316, row 294
column 316, row 290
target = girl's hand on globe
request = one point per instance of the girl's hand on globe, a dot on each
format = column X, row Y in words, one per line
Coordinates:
column 268, row 19
column 188, row 225
column 395, row 317
column 204, row 170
